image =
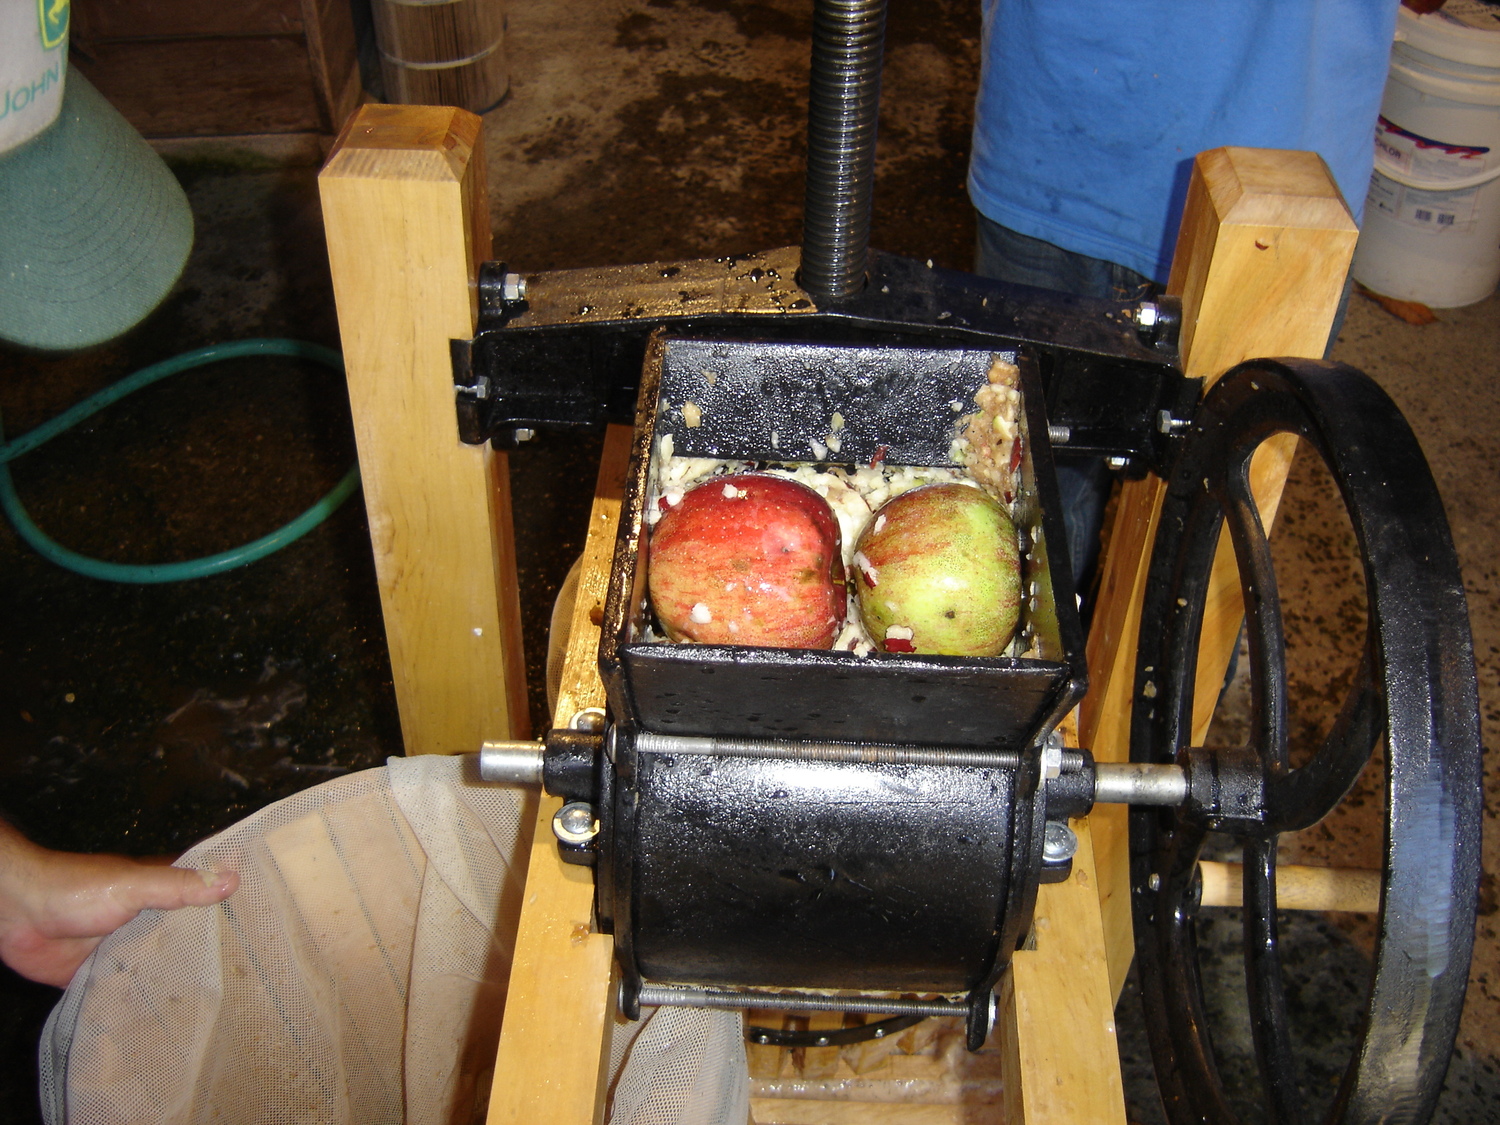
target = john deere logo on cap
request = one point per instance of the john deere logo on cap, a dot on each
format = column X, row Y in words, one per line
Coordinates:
column 54, row 20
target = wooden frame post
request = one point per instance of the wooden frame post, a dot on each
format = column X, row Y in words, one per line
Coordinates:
column 553, row 1060
column 1260, row 266
column 407, row 221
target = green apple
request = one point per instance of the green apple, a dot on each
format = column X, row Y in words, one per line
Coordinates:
column 939, row 572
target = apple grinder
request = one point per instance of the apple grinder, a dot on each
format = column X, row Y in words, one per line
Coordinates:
column 871, row 830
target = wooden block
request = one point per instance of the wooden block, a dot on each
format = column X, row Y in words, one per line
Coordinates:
column 872, row 1056
column 407, row 223
column 1261, row 258
column 1056, row 1029
column 553, row 1060
column 822, row 1062
column 764, row 1060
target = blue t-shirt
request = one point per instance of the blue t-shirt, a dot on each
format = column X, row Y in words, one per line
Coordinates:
column 1090, row 111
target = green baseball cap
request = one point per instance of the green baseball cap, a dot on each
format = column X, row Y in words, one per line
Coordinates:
column 96, row 228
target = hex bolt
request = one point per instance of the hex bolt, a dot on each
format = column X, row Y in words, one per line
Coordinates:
column 1147, row 314
column 1167, row 424
column 513, row 287
column 1117, row 462
column 524, row 433
column 575, row 823
column 1059, row 843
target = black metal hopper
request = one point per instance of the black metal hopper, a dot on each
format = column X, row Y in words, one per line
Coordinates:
column 770, row 402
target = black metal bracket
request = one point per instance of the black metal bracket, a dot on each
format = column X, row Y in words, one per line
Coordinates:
column 562, row 351
column 830, row 1037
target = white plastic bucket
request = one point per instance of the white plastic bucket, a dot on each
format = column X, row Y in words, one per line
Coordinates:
column 1432, row 218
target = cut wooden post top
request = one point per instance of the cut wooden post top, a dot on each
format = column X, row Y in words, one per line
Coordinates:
column 439, row 141
column 1261, row 257
column 1275, row 187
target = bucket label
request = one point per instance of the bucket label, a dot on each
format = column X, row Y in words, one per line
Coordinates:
column 1435, row 211
column 1424, row 158
column 1470, row 14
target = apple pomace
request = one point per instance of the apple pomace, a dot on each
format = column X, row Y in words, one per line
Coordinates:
column 748, row 559
column 940, row 573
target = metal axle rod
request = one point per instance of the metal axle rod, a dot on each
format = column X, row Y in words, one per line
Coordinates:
column 662, row 995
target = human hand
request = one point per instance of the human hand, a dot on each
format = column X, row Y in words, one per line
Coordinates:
column 55, row 907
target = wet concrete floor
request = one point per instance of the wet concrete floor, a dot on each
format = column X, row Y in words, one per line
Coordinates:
column 140, row 718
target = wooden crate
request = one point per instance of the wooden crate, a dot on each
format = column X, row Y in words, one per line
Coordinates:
column 277, row 69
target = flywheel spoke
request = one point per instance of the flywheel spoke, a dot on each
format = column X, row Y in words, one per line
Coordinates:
column 1263, row 621
column 1269, row 1027
column 1308, row 794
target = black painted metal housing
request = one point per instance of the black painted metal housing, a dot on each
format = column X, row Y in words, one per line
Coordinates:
column 747, row 871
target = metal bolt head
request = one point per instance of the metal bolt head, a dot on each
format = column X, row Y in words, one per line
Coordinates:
column 575, row 823
column 1154, row 882
column 590, row 719
column 1117, row 462
column 1167, row 424
column 1059, row 844
column 512, row 287
column 524, row 433
column 1147, row 314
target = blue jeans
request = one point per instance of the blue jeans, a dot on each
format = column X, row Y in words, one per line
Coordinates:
column 1006, row 255
column 1083, row 483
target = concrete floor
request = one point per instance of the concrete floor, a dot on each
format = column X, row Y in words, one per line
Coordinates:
column 138, row 719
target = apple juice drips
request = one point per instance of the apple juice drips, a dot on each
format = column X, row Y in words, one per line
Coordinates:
column 986, row 443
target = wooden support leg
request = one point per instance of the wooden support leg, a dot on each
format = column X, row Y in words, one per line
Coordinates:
column 408, row 223
column 1056, row 1028
column 1260, row 265
column 554, row 1043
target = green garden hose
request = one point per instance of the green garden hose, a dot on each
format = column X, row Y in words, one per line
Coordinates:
column 150, row 573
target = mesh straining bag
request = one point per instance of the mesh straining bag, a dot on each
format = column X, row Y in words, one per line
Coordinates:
column 358, row 975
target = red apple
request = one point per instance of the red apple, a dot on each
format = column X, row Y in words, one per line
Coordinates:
column 939, row 572
column 749, row 560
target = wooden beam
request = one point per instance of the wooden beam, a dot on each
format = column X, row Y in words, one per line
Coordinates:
column 1260, row 265
column 407, row 223
column 1056, row 1023
column 553, row 1060
column 1056, row 1029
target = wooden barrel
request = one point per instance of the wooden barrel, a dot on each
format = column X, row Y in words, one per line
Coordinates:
column 449, row 52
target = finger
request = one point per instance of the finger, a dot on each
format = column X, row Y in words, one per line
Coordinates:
column 170, row 888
